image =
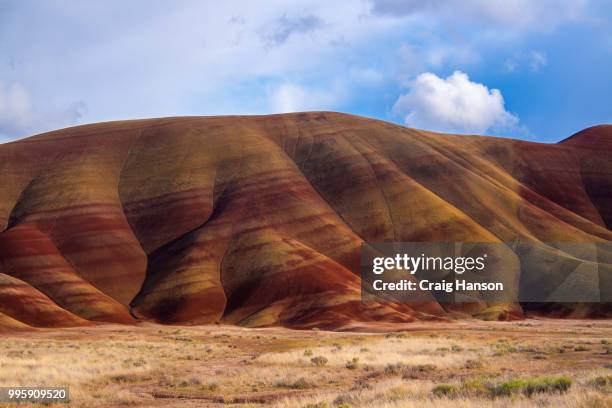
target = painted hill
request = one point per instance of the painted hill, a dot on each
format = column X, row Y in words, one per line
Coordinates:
column 259, row 220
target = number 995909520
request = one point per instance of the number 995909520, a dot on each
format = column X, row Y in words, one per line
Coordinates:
column 34, row 394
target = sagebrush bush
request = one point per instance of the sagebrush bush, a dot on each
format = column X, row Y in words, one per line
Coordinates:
column 319, row 361
column 353, row 363
column 531, row 386
column 445, row 390
column 507, row 388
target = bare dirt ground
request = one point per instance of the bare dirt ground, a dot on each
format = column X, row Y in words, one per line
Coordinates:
column 561, row 363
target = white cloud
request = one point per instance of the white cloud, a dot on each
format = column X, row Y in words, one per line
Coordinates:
column 537, row 60
column 538, row 15
column 285, row 27
column 148, row 58
column 290, row 97
column 18, row 116
column 454, row 104
column 15, row 109
column 434, row 55
column 366, row 76
column 532, row 60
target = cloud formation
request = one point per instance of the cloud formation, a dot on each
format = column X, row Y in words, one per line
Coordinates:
column 454, row 104
column 19, row 116
column 507, row 14
column 285, row 27
column 290, row 97
column 533, row 60
column 151, row 58
column 15, row 109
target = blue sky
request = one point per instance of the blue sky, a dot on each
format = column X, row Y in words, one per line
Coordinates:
column 531, row 69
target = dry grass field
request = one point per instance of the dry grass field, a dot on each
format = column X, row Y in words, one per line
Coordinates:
column 533, row 363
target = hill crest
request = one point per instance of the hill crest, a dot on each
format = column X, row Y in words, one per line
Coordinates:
column 258, row 220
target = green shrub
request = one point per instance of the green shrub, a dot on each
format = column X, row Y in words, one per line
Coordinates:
column 445, row 390
column 322, row 404
column 210, row 387
column 352, row 364
column 126, row 378
column 474, row 387
column 602, row 381
column 300, row 384
column 547, row 385
column 394, row 369
column 344, row 400
column 473, row 364
column 507, row 388
column 532, row 386
column 319, row 361
column 417, row 371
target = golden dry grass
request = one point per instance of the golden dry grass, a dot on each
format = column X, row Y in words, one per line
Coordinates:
column 151, row 365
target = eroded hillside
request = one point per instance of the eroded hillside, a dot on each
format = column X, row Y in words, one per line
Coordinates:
column 259, row 220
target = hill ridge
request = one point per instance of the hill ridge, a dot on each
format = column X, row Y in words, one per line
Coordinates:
column 130, row 214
